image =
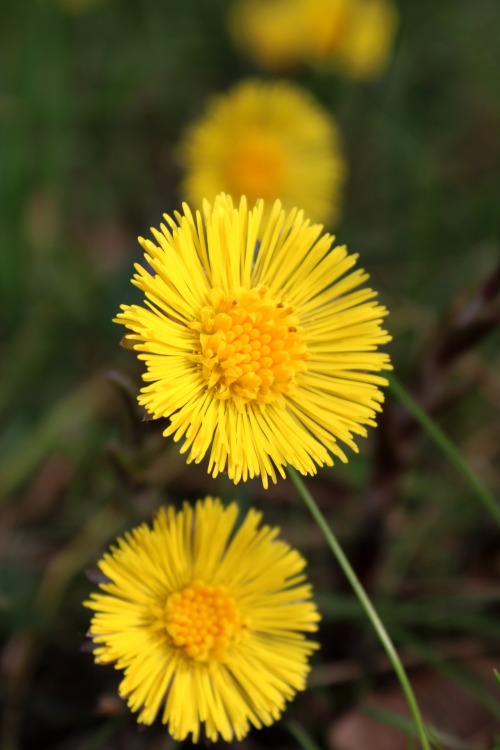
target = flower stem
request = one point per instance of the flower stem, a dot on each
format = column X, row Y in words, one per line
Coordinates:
column 452, row 453
column 365, row 602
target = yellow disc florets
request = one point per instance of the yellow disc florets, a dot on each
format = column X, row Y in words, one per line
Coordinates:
column 203, row 621
column 251, row 348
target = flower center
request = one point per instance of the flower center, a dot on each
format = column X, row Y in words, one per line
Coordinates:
column 257, row 167
column 251, row 348
column 203, row 621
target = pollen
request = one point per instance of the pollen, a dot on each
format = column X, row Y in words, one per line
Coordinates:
column 203, row 621
column 250, row 346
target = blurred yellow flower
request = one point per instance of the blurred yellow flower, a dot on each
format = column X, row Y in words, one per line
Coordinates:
column 258, row 338
column 265, row 140
column 267, row 30
column 206, row 621
column 370, row 39
column 354, row 36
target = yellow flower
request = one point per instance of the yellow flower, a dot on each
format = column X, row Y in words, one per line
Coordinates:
column 355, row 36
column 265, row 140
column 369, row 45
column 268, row 31
column 207, row 622
column 260, row 351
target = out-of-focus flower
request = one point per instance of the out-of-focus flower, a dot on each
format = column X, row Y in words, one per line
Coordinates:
column 370, row 39
column 260, row 341
column 267, row 31
column 353, row 36
column 265, row 140
column 207, row 622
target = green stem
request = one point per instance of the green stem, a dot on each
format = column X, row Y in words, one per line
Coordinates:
column 446, row 446
column 365, row 602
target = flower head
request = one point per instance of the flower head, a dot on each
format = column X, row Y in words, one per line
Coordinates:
column 354, row 36
column 265, row 140
column 261, row 352
column 207, row 622
column 268, row 31
column 370, row 40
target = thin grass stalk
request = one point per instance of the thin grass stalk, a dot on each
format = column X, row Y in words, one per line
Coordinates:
column 302, row 737
column 450, row 451
column 366, row 603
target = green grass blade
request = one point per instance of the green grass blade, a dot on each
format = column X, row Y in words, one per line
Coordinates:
column 450, row 451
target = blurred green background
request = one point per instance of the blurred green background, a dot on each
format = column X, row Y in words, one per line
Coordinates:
column 93, row 100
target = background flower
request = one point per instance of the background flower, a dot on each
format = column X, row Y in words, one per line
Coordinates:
column 268, row 31
column 207, row 622
column 354, row 36
column 265, row 140
column 369, row 38
column 261, row 353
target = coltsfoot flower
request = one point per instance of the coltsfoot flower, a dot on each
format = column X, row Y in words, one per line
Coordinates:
column 354, row 36
column 208, row 623
column 259, row 339
column 265, row 140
